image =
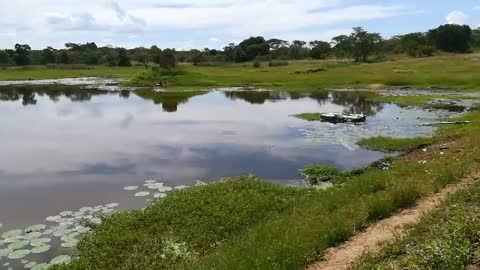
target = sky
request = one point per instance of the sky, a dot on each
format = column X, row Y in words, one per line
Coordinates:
column 187, row 24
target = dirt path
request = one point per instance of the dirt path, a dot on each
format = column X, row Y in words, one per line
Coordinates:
column 344, row 256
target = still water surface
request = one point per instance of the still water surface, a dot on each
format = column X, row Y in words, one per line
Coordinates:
column 71, row 149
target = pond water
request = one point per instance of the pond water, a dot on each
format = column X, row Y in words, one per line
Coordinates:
column 69, row 148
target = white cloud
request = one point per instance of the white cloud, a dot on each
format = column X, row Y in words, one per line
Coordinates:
column 174, row 21
column 476, row 8
column 215, row 40
column 457, row 17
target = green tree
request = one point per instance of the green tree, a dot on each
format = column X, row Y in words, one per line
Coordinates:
column 452, row 38
column 22, row 54
column 63, row 57
column 143, row 56
column 476, row 38
column 48, row 56
column 4, row 59
column 123, row 58
column 320, row 49
column 364, row 44
column 253, row 47
column 198, row 57
column 168, row 59
column 342, row 45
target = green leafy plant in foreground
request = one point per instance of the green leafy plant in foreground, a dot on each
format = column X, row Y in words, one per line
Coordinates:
column 318, row 173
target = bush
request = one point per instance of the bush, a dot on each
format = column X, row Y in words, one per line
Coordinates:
column 277, row 63
column 315, row 174
column 257, row 64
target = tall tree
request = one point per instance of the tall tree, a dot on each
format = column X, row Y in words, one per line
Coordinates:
column 22, row 54
column 452, row 38
column 48, row 56
column 4, row 58
column 364, row 44
column 320, row 49
column 123, row 58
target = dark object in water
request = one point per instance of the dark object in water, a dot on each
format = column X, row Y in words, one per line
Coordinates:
column 343, row 118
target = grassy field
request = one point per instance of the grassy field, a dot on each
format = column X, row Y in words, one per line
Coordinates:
column 455, row 71
column 245, row 223
column 42, row 72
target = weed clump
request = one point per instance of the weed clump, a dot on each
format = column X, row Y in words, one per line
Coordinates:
column 316, row 174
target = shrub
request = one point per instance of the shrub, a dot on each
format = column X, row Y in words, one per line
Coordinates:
column 257, row 64
column 315, row 174
column 277, row 63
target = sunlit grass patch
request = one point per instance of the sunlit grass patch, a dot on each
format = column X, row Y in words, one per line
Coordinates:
column 389, row 144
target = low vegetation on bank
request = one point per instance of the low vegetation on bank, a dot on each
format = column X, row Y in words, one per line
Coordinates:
column 245, row 223
column 388, row 144
column 447, row 238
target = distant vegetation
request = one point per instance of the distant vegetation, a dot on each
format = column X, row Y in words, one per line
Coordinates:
column 360, row 45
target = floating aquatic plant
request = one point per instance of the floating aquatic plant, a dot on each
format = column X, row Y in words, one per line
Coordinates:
column 40, row 242
column 60, row 259
column 181, row 187
column 160, row 195
column 18, row 254
column 30, row 265
column 41, row 266
column 36, row 228
column 12, row 233
column 4, row 252
column 131, row 188
column 70, row 243
column 41, row 249
column 32, row 235
column 142, row 194
column 18, row 245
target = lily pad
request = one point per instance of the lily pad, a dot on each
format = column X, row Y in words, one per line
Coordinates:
column 40, row 242
column 2, row 242
column 112, row 205
column 33, row 235
column 131, row 188
column 4, row 252
column 12, row 233
column 41, row 266
column 41, row 249
column 54, row 218
column 66, row 213
column 30, row 265
column 165, row 189
column 60, row 259
column 18, row 254
column 142, row 194
column 83, row 230
column 70, row 244
column 18, row 245
column 150, row 181
column 181, row 187
column 160, row 195
column 14, row 239
column 36, row 228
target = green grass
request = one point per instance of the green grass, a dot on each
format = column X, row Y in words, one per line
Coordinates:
column 42, row 72
column 455, row 71
column 245, row 223
column 447, row 238
column 309, row 116
column 388, row 144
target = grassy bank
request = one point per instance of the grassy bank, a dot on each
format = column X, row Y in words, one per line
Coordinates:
column 456, row 71
column 447, row 238
column 245, row 223
column 388, row 144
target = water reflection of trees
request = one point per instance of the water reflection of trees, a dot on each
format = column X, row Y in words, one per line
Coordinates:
column 354, row 102
column 29, row 93
column 169, row 100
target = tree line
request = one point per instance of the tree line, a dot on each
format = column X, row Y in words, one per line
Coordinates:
column 360, row 45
